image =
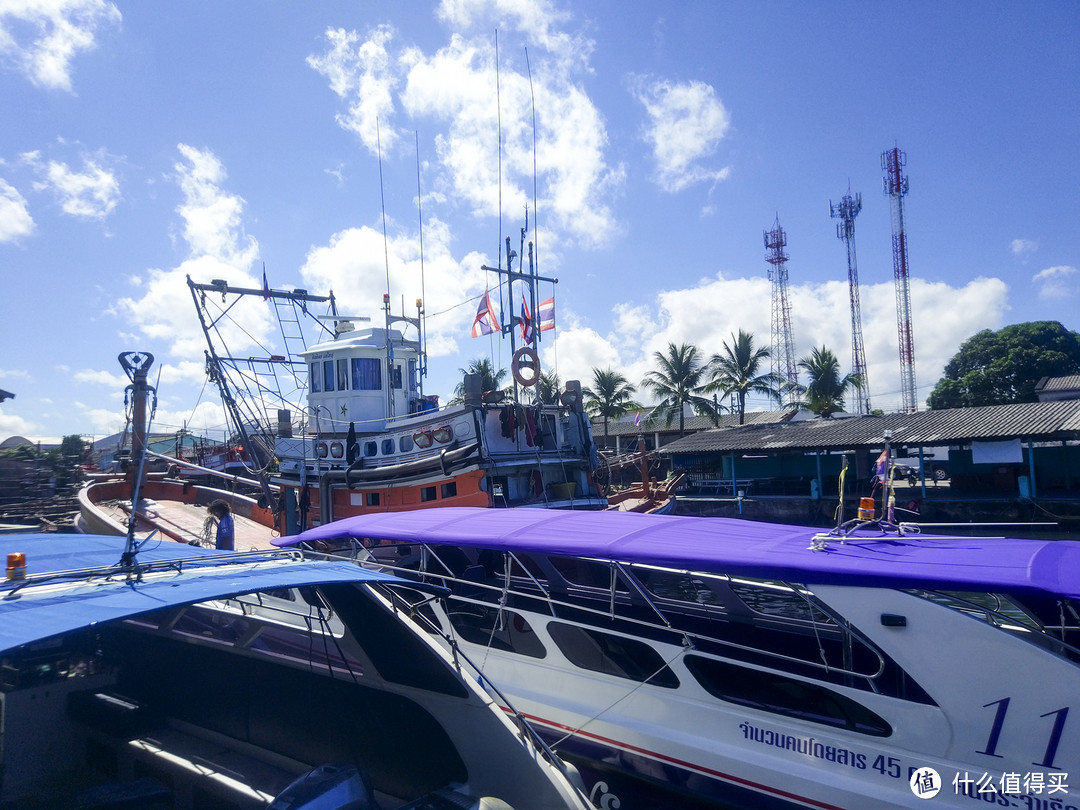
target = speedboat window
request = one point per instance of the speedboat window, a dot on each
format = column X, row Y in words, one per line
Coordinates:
column 612, row 655
column 499, row 629
column 776, row 693
column 678, row 585
column 591, row 573
column 778, row 599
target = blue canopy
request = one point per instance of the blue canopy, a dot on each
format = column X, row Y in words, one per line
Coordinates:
column 730, row 546
column 33, row 611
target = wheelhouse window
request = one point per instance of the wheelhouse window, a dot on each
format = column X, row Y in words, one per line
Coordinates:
column 366, row 374
column 328, row 375
column 612, row 655
column 342, row 375
column 316, row 378
column 396, row 381
column 776, row 693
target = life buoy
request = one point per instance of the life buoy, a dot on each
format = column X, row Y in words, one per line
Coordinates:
column 525, row 367
column 422, row 439
column 337, row 449
column 443, row 434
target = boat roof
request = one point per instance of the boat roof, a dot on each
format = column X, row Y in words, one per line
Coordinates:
column 75, row 581
column 737, row 547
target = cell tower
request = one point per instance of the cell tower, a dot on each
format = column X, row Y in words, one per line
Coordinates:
column 783, row 341
column 896, row 186
column 846, row 211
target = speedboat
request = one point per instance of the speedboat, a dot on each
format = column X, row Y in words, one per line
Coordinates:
column 162, row 675
column 685, row 662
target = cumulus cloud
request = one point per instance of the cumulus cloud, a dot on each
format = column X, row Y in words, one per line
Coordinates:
column 41, row 38
column 563, row 159
column 15, row 219
column 686, row 124
column 1056, row 282
column 709, row 313
column 91, row 193
column 219, row 248
column 361, row 74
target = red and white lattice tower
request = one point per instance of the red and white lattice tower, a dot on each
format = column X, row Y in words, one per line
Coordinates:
column 896, row 186
column 847, row 209
column 782, row 358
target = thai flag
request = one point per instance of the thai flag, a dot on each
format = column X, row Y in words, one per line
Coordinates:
column 485, row 322
column 526, row 322
column 266, row 287
column 882, row 460
column 637, row 419
column 545, row 315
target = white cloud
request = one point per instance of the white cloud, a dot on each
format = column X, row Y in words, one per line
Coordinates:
column 12, row 425
column 114, row 381
column 457, row 84
column 15, row 219
column 219, row 248
column 686, row 124
column 1056, row 282
column 361, row 74
column 1022, row 248
column 707, row 315
column 92, row 193
column 40, row 38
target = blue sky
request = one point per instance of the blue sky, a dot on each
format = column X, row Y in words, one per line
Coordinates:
column 142, row 142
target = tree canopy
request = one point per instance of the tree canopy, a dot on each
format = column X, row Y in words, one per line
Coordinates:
column 997, row 368
column 824, row 394
column 740, row 370
column 679, row 381
column 610, row 396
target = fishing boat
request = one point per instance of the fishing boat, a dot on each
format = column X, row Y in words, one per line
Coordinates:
column 336, row 422
column 685, row 662
column 163, row 675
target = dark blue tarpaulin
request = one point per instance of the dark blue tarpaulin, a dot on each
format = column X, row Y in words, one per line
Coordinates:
column 43, row 607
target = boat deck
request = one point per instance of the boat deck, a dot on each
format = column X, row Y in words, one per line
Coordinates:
column 184, row 522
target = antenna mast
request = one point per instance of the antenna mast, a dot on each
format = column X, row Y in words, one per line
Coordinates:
column 784, row 366
column 846, row 211
column 896, row 186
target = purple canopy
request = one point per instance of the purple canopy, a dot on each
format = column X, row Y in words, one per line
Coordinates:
column 729, row 546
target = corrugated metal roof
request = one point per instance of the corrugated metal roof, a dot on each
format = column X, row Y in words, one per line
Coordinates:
column 692, row 423
column 1070, row 382
column 1036, row 421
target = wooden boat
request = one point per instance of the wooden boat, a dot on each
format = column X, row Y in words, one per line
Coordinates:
column 647, row 494
column 170, row 676
column 685, row 662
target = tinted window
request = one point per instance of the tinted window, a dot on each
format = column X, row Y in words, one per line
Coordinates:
column 777, row 693
column 503, row 630
column 612, row 655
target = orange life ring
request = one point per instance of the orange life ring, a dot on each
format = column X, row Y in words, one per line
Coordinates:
column 525, row 359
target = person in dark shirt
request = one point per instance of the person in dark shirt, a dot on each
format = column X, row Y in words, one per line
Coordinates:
column 226, row 530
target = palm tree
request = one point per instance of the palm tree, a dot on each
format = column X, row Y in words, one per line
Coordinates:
column 548, row 388
column 611, row 396
column 824, row 394
column 490, row 379
column 738, row 371
column 678, row 382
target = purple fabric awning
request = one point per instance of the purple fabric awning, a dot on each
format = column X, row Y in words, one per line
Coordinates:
column 730, row 546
